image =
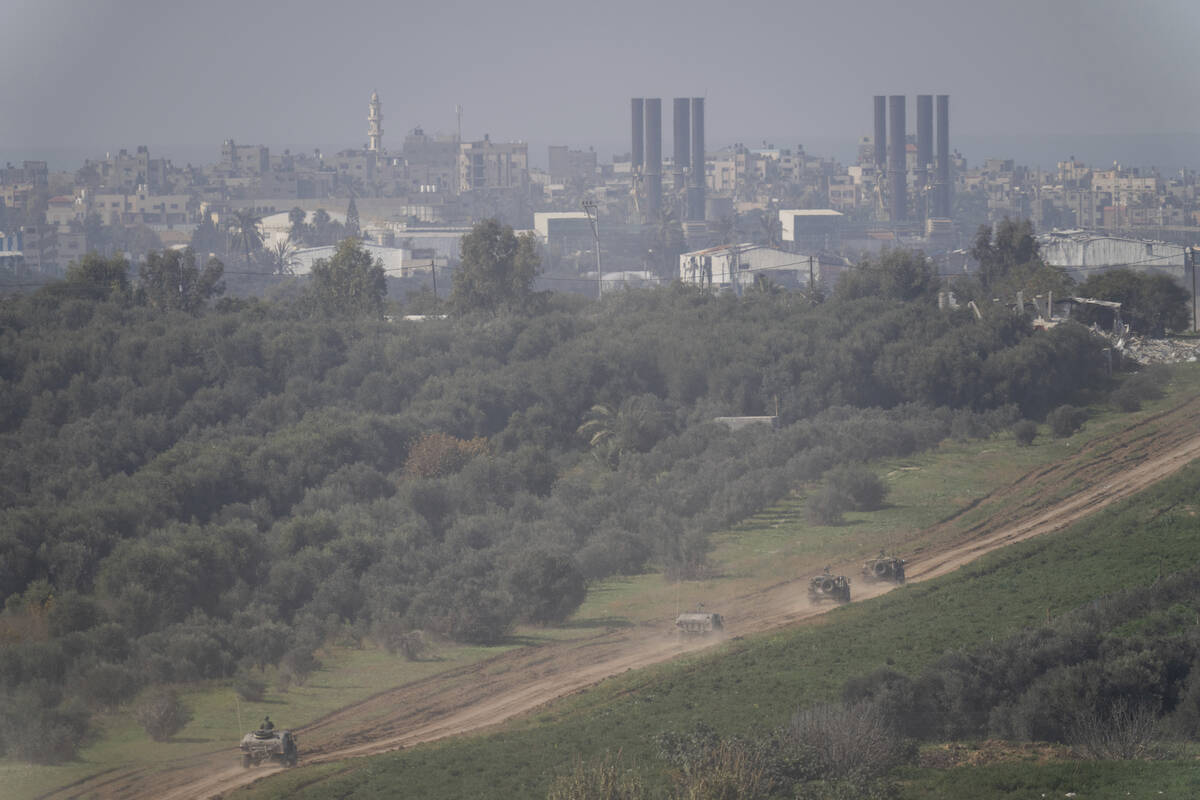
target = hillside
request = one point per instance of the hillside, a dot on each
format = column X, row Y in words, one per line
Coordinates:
column 1125, row 459
column 222, row 494
column 753, row 685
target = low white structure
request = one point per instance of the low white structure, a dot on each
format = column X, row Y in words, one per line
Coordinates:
column 803, row 224
column 561, row 223
column 397, row 261
column 734, row 266
column 1084, row 252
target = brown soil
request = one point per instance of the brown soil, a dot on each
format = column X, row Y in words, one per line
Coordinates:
column 991, row 751
column 487, row 693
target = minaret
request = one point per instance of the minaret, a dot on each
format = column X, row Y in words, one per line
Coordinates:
column 375, row 124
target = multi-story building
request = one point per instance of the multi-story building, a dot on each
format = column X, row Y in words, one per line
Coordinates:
column 845, row 193
column 566, row 164
column 244, row 159
column 34, row 173
column 493, row 165
column 124, row 172
column 1127, row 187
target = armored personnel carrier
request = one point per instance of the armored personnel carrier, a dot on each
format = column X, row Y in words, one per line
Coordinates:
column 699, row 622
column 267, row 744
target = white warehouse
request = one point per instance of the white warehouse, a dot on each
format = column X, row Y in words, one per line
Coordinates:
column 734, row 266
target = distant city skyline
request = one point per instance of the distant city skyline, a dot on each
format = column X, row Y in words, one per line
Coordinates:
column 100, row 76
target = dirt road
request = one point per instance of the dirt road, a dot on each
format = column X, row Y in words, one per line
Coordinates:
column 489, row 692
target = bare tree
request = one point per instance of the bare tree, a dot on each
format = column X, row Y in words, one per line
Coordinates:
column 1118, row 733
column 845, row 742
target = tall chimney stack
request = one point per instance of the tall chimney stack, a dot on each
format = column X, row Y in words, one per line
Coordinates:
column 897, row 168
column 681, row 155
column 637, row 156
column 943, row 185
column 880, row 133
column 699, row 179
column 924, row 140
column 653, row 171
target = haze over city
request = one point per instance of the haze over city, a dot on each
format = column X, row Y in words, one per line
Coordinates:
column 765, row 400
column 1029, row 76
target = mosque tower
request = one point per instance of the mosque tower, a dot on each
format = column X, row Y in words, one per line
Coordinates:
column 375, row 124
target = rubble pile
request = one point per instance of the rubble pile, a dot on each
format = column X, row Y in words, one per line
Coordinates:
column 1159, row 351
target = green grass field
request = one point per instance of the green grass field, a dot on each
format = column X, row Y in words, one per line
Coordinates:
column 753, row 685
column 771, row 546
column 1093, row 780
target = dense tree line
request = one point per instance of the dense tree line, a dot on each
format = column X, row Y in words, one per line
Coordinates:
column 193, row 489
column 1127, row 656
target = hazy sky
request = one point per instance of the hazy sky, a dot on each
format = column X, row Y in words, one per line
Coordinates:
column 106, row 73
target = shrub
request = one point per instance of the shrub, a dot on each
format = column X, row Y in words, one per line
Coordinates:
column 397, row 637
column 732, row 768
column 825, row 506
column 161, row 713
column 34, row 728
column 1126, row 397
column 249, row 687
column 844, row 742
column 600, row 779
column 864, row 490
column 106, row 685
column 547, row 586
column 438, row 454
column 1025, row 432
column 1121, row 733
column 1065, row 420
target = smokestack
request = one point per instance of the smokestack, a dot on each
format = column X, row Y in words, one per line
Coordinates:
column 637, row 155
column 683, row 140
column 880, row 133
column 897, row 170
column 653, row 157
column 699, row 183
column 943, row 185
column 924, row 136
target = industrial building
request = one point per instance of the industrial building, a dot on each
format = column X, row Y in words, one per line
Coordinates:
column 734, row 267
column 811, row 229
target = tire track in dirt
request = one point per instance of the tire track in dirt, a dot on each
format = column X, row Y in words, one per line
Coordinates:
column 482, row 695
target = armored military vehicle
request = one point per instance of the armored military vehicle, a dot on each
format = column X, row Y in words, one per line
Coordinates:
column 267, row 744
column 829, row 587
column 884, row 568
column 699, row 622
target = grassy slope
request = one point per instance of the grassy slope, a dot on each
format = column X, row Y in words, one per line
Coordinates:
column 1094, row 780
column 925, row 488
column 754, row 684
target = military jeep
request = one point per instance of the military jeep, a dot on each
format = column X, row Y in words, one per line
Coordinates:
column 829, row 587
column 884, row 568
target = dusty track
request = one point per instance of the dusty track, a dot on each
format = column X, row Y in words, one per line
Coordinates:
column 484, row 694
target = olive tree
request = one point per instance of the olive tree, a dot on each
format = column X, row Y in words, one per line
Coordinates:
column 349, row 284
column 498, row 269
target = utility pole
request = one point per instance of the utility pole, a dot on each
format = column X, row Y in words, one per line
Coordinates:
column 589, row 208
column 811, row 279
column 1191, row 262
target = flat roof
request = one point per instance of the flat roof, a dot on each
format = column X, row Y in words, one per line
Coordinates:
column 812, row 212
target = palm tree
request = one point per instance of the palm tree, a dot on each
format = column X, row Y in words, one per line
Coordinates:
column 634, row 426
column 282, row 257
column 246, row 235
column 600, row 429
